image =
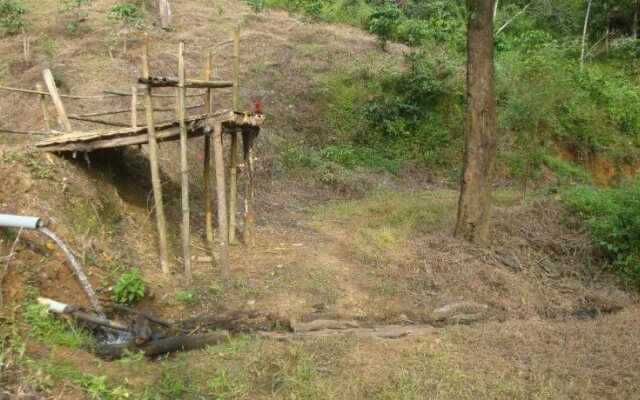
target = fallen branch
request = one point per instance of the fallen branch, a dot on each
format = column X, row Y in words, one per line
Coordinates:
column 61, row 308
column 383, row 332
column 321, row 324
column 162, row 346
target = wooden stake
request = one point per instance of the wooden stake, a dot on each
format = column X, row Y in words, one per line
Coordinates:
column 249, row 191
column 45, row 109
column 222, row 200
column 208, row 205
column 233, row 151
column 134, row 107
column 184, row 166
column 153, row 161
column 57, row 101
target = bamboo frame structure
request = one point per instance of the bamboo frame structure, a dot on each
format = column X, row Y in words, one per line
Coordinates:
column 212, row 125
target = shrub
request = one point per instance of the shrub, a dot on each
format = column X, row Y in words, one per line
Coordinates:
column 612, row 217
column 129, row 287
column 384, row 20
column 73, row 13
column 127, row 12
column 12, row 17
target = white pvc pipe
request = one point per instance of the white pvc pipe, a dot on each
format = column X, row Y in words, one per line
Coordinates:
column 19, row 221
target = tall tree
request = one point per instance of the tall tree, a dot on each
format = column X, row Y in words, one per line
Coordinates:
column 474, row 204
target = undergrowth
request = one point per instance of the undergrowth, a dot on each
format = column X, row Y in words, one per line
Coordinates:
column 612, row 217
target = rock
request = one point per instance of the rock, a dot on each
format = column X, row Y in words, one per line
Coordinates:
column 463, row 311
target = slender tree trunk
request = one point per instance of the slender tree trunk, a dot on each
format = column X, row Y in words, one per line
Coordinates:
column 635, row 19
column 474, row 206
column 584, row 34
column 495, row 9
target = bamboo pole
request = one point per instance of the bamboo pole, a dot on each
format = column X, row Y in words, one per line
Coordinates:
column 208, row 205
column 248, row 137
column 134, row 107
column 159, row 81
column 184, row 166
column 233, row 151
column 57, row 101
column 64, row 96
column 153, row 161
column 222, row 200
column 45, row 110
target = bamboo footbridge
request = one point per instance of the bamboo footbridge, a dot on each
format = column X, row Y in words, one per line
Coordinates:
column 212, row 125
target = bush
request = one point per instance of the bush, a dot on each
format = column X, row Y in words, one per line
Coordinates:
column 12, row 17
column 127, row 12
column 612, row 217
column 384, row 20
column 129, row 288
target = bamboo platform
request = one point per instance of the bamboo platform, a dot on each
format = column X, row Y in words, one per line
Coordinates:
column 196, row 126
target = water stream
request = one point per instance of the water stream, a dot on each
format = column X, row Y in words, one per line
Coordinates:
column 77, row 270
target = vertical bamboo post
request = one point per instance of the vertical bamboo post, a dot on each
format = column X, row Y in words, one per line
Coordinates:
column 233, row 151
column 153, row 161
column 57, row 101
column 45, row 109
column 134, row 107
column 208, row 205
column 184, row 166
column 248, row 137
column 222, row 200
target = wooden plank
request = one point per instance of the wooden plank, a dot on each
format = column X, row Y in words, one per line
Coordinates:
column 191, row 83
column 155, row 169
column 222, row 201
column 57, row 101
column 184, row 165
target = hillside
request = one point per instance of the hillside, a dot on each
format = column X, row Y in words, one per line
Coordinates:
column 346, row 230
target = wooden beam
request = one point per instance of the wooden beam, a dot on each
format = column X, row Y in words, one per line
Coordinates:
column 155, row 169
column 191, row 83
column 97, row 121
column 184, row 165
column 57, row 101
column 134, row 107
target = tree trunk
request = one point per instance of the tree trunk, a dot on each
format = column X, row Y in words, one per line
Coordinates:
column 584, row 33
column 635, row 19
column 474, row 205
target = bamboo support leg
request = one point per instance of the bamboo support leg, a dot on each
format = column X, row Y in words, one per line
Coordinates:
column 57, row 101
column 45, row 110
column 184, row 166
column 134, row 107
column 208, row 216
column 155, row 170
column 233, row 186
column 222, row 200
column 249, row 190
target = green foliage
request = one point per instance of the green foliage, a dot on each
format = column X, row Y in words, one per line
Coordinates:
column 187, row 297
column 51, row 330
column 12, row 17
column 127, row 12
column 612, row 217
column 73, row 14
column 384, row 20
column 418, row 112
column 257, row 5
column 130, row 287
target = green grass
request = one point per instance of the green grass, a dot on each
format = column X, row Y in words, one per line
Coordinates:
column 50, row 329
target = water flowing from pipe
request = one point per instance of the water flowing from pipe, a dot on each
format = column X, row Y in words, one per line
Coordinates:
column 77, row 270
